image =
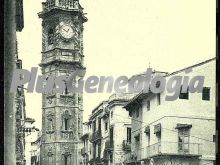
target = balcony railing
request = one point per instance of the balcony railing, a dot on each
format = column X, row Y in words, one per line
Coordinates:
column 96, row 136
column 109, row 145
column 165, row 148
column 126, row 145
column 172, row 148
column 132, row 156
column 61, row 54
column 67, row 4
column 84, row 151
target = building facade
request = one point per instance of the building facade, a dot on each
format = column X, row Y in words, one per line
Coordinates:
column 20, row 122
column 175, row 132
column 62, row 54
column 35, row 150
column 108, row 132
column 20, row 113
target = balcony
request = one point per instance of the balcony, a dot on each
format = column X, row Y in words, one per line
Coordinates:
column 84, row 151
column 132, row 156
column 66, row 55
column 66, row 4
column 172, row 148
column 163, row 149
column 96, row 160
column 109, row 145
column 126, row 145
column 96, row 136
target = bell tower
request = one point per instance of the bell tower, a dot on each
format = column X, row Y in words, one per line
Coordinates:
column 62, row 53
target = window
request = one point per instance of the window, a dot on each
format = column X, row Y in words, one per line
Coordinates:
column 111, row 158
column 147, row 132
column 184, row 95
column 148, row 139
column 94, row 126
column 137, row 113
column 66, row 90
column 206, row 93
column 66, row 120
column 137, row 138
column 129, row 135
column 111, row 136
column 148, row 105
column 66, row 124
column 50, row 36
column 158, row 135
column 50, row 124
column 106, row 126
column 111, row 114
column 65, row 160
column 214, row 138
column 183, row 139
column 158, row 99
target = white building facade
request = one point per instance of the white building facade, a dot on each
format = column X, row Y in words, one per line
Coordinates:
column 108, row 132
column 180, row 132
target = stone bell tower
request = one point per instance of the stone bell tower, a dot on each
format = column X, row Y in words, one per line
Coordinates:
column 62, row 53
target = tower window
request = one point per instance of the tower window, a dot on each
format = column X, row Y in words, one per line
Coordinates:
column 206, row 93
column 50, row 36
column 66, row 121
column 66, row 124
column 50, row 124
column 65, row 160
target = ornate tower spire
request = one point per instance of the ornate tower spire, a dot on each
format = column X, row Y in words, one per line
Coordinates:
column 62, row 53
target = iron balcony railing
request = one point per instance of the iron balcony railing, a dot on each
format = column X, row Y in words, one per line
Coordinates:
column 132, row 156
column 165, row 148
column 126, row 145
column 109, row 145
column 172, row 148
column 84, row 151
column 96, row 136
column 61, row 54
column 67, row 4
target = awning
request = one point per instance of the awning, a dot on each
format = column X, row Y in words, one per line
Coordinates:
column 179, row 126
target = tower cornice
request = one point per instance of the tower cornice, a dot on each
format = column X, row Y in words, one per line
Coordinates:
column 53, row 6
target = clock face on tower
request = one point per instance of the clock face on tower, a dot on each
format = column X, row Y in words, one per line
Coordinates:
column 66, row 31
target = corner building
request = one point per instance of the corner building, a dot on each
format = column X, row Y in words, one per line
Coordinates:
column 62, row 53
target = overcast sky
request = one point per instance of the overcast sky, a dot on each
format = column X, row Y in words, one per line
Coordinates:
column 122, row 37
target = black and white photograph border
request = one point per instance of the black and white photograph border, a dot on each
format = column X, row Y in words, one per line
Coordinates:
column 111, row 128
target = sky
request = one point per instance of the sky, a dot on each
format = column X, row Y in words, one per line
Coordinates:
column 124, row 37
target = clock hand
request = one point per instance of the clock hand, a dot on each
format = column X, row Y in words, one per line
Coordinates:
column 65, row 30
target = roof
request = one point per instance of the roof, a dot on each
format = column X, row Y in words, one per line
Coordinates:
column 192, row 66
column 141, row 95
